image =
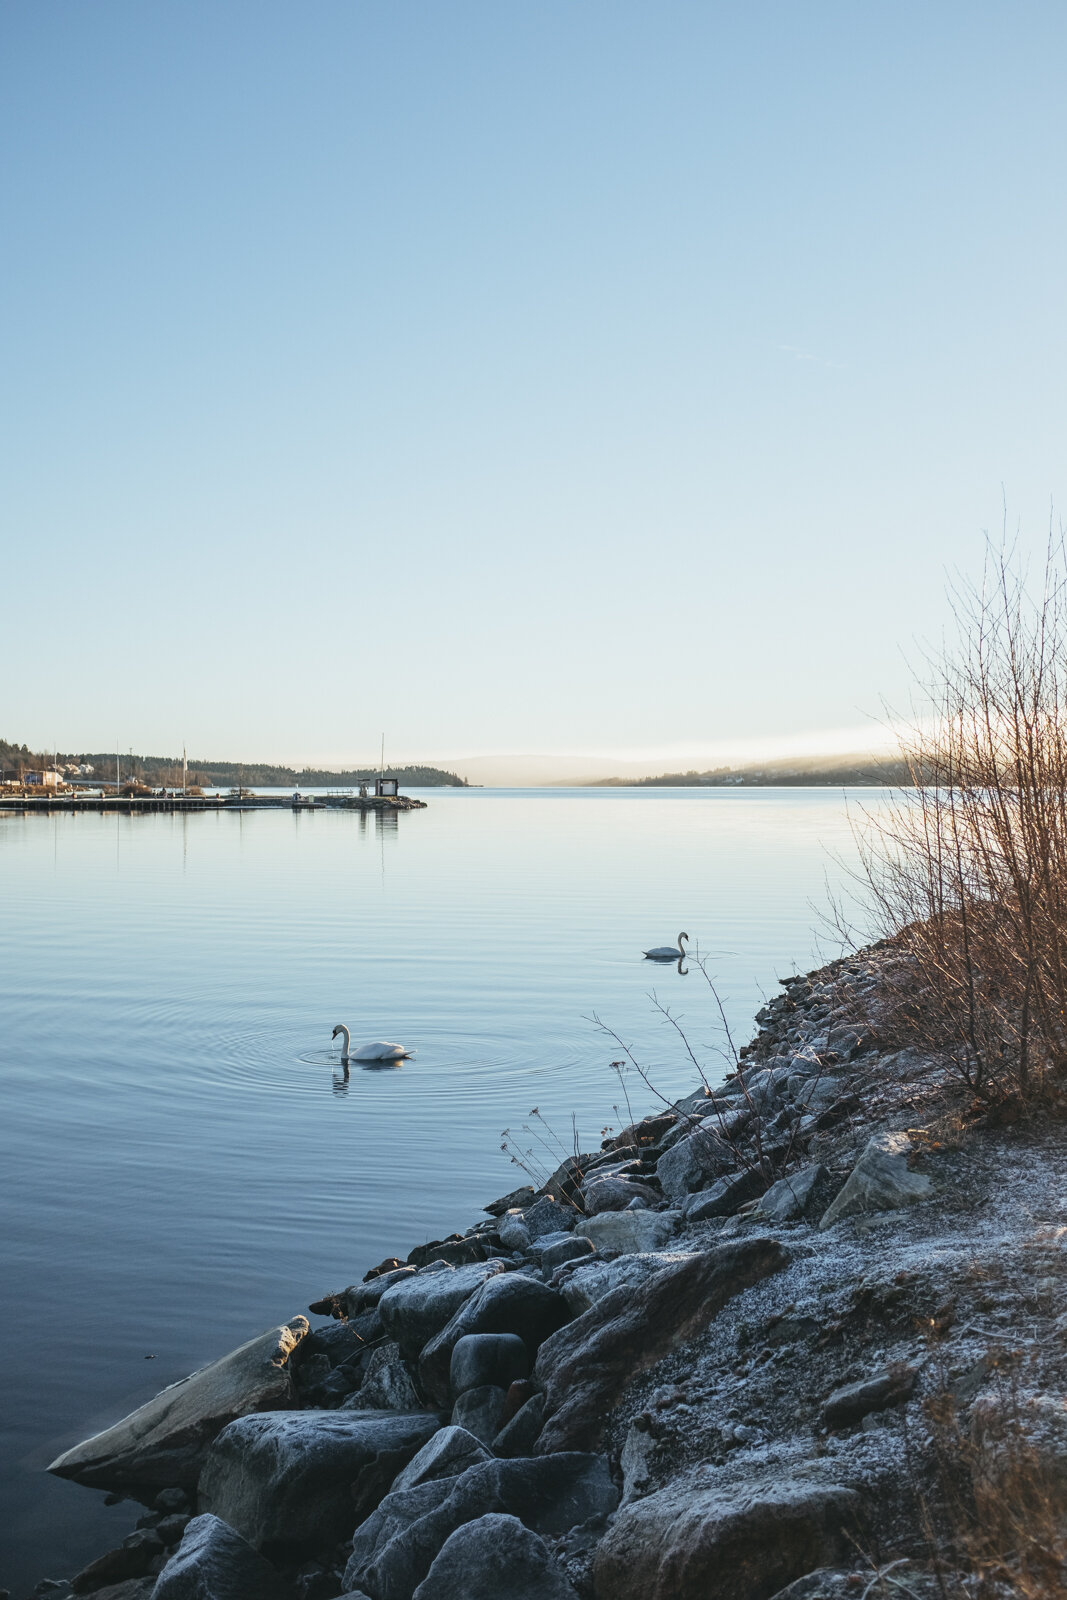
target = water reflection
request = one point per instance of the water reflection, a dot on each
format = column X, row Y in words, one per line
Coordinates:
column 340, row 1084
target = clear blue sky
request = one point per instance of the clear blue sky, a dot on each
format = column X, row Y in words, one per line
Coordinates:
column 544, row 377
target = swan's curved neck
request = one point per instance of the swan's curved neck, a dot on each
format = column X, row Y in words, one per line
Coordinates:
column 683, row 940
column 346, row 1042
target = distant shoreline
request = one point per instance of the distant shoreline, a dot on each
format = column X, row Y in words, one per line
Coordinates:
column 854, row 772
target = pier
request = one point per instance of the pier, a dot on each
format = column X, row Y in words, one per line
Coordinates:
column 135, row 805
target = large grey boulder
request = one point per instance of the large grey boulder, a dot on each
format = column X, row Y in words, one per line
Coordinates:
column 511, row 1303
column 543, row 1242
column 451, row 1451
column 739, row 1542
column 365, row 1296
column 848, row 1039
column 164, row 1442
column 723, row 1197
column 215, row 1563
column 547, row 1494
column 492, row 1557
column 728, row 1121
column 416, row 1308
column 694, row 1162
column 627, row 1232
column 583, row 1368
column 616, row 1194
column 296, row 1477
column 397, row 1511
column 880, row 1180
column 572, row 1248
column 816, row 1094
column 587, row 1284
column 549, row 1216
column 793, row 1196
column 479, row 1358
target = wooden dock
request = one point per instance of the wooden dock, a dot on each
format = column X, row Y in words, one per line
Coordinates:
column 136, row 805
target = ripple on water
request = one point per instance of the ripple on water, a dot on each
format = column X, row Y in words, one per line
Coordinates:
column 467, row 1067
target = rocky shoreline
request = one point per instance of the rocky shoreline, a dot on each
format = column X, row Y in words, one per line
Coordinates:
column 802, row 1335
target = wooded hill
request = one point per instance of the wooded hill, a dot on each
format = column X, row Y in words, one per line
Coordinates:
column 845, row 772
column 157, row 770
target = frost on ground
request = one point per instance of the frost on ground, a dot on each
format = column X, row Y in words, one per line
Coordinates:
column 916, row 1355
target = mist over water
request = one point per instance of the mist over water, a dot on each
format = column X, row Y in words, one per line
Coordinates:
column 182, row 1163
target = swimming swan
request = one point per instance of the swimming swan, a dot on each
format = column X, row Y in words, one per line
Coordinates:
column 668, row 952
column 380, row 1050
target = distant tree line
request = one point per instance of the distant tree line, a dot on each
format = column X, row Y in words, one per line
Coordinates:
column 16, row 757
column 167, row 770
column 852, row 772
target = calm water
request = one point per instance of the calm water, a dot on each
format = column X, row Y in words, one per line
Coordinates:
column 181, row 1166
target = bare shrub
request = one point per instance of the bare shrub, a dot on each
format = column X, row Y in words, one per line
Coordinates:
column 968, row 868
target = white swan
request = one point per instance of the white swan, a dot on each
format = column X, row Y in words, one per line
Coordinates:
column 380, row 1050
column 668, row 952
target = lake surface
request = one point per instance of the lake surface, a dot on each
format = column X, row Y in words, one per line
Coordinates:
column 181, row 1163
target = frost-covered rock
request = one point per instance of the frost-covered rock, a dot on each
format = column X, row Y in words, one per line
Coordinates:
column 451, row 1451
column 295, row 1477
column 723, row 1197
column 584, row 1367
column 480, row 1358
column 416, row 1308
column 511, row 1303
column 492, row 1557
column 792, row 1196
column 548, row 1494
column 627, row 1232
column 615, row 1194
column 694, row 1162
column 215, row 1563
column 398, row 1511
column 689, row 1541
column 549, row 1216
column 589, row 1283
column 517, row 1199
column 880, row 1180
column 572, row 1248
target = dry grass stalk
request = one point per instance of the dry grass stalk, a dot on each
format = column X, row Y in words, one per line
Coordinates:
column 1001, row 1512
